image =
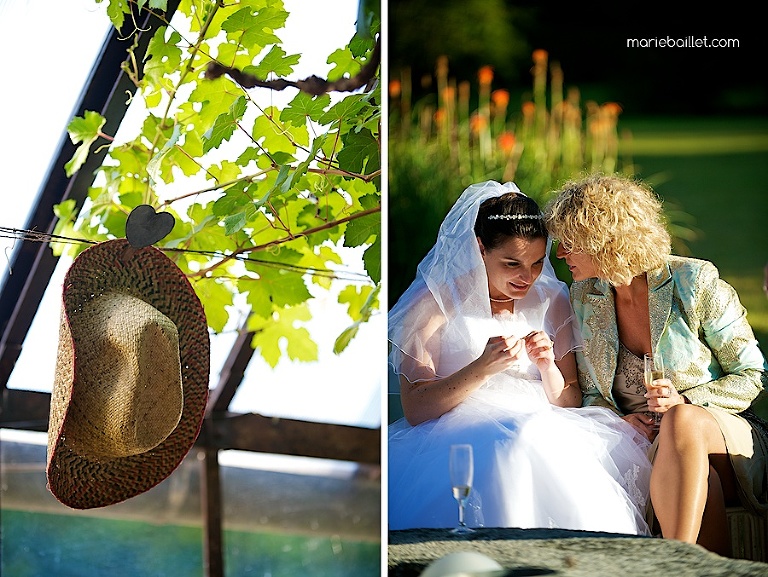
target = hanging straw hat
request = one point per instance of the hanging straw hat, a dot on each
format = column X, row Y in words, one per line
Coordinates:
column 131, row 380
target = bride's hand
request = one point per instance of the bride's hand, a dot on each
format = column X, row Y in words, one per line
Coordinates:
column 538, row 345
column 643, row 423
column 501, row 353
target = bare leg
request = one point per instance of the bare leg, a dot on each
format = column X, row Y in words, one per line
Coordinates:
column 684, row 485
column 714, row 535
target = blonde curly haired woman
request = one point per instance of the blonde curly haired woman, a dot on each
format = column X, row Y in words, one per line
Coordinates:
column 631, row 296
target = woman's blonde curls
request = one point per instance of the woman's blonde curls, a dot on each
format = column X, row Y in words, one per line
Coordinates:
column 616, row 220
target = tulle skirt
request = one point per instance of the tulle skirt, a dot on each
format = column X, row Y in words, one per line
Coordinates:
column 535, row 466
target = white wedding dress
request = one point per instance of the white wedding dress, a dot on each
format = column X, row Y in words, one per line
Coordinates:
column 535, row 465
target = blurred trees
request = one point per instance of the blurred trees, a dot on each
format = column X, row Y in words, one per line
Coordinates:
column 471, row 33
column 590, row 42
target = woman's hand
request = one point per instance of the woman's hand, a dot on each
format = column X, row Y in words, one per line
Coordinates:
column 644, row 423
column 662, row 396
column 500, row 354
column 538, row 345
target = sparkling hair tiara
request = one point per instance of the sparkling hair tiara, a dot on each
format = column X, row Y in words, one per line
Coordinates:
column 516, row 216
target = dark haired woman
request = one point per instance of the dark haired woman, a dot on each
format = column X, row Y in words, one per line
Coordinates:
column 483, row 344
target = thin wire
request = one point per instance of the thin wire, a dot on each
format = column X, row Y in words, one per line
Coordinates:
column 37, row 236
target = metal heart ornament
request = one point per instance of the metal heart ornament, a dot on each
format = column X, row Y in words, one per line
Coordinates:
column 145, row 226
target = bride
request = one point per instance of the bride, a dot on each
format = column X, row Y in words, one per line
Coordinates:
column 483, row 342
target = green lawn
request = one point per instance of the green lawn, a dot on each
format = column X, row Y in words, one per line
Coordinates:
column 716, row 170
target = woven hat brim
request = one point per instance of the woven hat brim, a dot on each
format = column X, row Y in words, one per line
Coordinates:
column 82, row 481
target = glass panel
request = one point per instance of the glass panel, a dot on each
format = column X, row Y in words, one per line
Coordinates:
column 283, row 516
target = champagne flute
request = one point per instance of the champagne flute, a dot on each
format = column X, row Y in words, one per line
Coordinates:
column 461, row 469
column 653, row 370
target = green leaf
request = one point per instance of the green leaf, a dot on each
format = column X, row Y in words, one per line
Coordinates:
column 233, row 200
column 225, row 172
column 225, row 125
column 360, row 153
column 153, row 166
column 369, row 201
column 361, row 229
column 235, row 222
column 216, row 97
column 361, row 305
column 281, row 327
column 85, row 129
column 277, row 136
column 66, row 213
column 215, row 297
column 254, row 28
column 116, row 11
column 372, row 260
column 286, row 288
column 346, row 65
column 346, row 336
column 163, row 55
column 346, row 108
column 368, row 16
column 355, row 298
column 304, row 107
column 275, row 61
column 282, row 182
column 161, row 5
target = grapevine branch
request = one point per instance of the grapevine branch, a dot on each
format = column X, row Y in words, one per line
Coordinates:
column 313, row 85
column 233, row 255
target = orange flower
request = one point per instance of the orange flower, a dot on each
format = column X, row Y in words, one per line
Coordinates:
column 449, row 92
column 540, row 56
column 477, row 123
column 506, row 141
column 394, row 88
column 612, row 108
column 485, row 75
column 500, row 98
column 528, row 109
column 439, row 115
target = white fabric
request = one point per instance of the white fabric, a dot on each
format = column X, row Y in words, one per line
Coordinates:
column 536, row 465
column 451, row 292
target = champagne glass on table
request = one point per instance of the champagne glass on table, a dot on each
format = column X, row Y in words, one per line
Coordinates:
column 653, row 370
column 461, row 470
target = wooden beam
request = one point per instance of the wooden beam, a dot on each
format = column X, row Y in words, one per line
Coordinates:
column 251, row 432
column 29, row 410
column 26, row 410
column 210, row 488
column 231, row 374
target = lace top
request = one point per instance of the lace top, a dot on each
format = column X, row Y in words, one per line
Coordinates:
column 628, row 385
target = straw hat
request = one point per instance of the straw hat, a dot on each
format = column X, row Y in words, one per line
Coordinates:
column 131, row 380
